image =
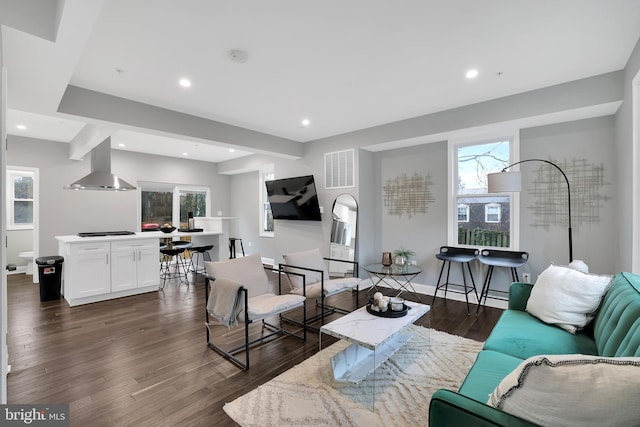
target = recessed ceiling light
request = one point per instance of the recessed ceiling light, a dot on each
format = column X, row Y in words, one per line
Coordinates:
column 231, row 150
column 185, row 154
column 472, row 74
column 121, row 145
column 185, row 82
column 305, row 123
column 21, row 127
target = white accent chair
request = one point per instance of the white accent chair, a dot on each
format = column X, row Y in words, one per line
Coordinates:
column 257, row 302
column 309, row 276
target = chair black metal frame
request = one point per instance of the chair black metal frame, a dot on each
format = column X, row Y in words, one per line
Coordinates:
column 498, row 258
column 275, row 330
column 449, row 254
column 323, row 306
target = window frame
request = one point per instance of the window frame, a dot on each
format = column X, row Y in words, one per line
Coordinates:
column 11, row 173
column 175, row 198
column 466, row 208
column 487, row 208
column 262, row 199
column 190, row 188
column 493, row 135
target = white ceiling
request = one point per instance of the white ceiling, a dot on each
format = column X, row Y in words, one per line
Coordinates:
column 344, row 65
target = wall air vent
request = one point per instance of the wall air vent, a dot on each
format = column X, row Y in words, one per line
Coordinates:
column 339, row 169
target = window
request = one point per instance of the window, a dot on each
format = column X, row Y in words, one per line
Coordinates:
column 480, row 218
column 194, row 201
column 19, row 199
column 266, row 217
column 463, row 213
column 492, row 213
column 162, row 203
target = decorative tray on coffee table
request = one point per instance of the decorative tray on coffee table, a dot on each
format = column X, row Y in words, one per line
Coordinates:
column 389, row 312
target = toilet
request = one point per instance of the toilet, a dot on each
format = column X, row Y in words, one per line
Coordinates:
column 28, row 256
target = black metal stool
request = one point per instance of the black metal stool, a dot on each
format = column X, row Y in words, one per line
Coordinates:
column 449, row 254
column 232, row 247
column 202, row 251
column 496, row 258
column 170, row 251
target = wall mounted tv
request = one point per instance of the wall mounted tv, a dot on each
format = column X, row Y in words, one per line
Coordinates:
column 294, row 198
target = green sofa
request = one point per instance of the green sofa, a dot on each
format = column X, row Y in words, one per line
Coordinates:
column 615, row 332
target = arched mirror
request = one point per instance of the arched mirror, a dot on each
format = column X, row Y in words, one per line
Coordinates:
column 343, row 235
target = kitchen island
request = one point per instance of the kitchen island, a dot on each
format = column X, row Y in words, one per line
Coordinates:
column 100, row 268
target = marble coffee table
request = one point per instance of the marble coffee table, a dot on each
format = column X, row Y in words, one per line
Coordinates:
column 373, row 340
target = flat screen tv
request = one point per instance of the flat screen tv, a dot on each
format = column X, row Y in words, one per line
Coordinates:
column 294, row 198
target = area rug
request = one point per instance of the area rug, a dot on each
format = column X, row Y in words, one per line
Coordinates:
column 307, row 395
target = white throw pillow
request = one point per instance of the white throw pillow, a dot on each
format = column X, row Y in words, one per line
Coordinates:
column 308, row 259
column 572, row 390
column 567, row 297
column 578, row 264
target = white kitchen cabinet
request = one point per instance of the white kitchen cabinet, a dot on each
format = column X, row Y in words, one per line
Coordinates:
column 88, row 268
column 103, row 267
column 134, row 264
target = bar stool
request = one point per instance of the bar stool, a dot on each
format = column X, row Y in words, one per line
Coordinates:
column 232, row 247
column 496, row 258
column 198, row 252
column 171, row 250
column 462, row 256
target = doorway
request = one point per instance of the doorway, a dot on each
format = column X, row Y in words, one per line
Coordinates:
column 22, row 224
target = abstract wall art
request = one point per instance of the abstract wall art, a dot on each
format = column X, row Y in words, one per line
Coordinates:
column 549, row 193
column 408, row 195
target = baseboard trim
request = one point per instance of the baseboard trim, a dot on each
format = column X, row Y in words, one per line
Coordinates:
column 21, row 269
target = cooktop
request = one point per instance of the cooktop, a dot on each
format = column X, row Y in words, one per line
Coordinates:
column 105, row 233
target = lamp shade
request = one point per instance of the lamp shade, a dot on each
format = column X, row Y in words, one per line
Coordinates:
column 503, row 182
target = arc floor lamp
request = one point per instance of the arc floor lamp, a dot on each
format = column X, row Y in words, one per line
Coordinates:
column 504, row 181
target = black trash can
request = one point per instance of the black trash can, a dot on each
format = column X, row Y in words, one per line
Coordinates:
column 50, row 276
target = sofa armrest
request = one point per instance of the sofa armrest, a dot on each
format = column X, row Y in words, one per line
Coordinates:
column 519, row 295
column 450, row 409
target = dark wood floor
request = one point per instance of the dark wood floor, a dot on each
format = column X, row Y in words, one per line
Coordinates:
column 142, row 360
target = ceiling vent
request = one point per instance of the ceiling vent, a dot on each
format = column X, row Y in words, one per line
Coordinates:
column 339, row 169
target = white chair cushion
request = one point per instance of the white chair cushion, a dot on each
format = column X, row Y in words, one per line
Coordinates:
column 308, row 259
column 566, row 297
column 331, row 287
column 247, row 270
column 268, row 304
column 572, row 390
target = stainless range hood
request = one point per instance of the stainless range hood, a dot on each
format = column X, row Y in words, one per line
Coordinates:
column 101, row 177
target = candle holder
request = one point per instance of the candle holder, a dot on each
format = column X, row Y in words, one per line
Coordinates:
column 386, row 259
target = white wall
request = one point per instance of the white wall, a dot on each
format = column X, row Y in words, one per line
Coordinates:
column 18, row 241
column 65, row 212
column 422, row 233
column 590, row 139
column 4, row 354
column 593, row 241
column 624, row 159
